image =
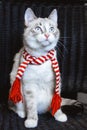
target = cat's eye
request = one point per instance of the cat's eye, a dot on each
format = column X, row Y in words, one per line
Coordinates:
column 51, row 29
column 37, row 28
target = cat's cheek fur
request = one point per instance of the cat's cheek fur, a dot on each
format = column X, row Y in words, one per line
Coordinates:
column 51, row 38
column 31, row 44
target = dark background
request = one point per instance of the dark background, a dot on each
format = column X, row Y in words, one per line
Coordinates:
column 72, row 46
column 50, row 1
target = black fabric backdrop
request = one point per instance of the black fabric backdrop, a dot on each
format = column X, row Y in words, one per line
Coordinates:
column 72, row 47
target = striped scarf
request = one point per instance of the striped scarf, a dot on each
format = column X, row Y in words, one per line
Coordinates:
column 15, row 92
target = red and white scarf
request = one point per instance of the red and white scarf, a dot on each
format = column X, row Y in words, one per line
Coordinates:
column 15, row 92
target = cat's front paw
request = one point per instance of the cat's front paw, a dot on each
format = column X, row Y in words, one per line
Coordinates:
column 21, row 114
column 60, row 116
column 31, row 123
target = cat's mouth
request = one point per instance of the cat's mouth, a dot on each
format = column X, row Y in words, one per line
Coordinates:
column 45, row 43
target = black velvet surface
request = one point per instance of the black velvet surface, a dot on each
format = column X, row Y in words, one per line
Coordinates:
column 72, row 46
column 76, row 121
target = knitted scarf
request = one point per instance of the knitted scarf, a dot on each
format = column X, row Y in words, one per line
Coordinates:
column 15, row 92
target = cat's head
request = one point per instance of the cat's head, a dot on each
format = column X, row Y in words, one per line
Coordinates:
column 40, row 33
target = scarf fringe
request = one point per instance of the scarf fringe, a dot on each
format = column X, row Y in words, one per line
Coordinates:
column 15, row 93
column 56, row 103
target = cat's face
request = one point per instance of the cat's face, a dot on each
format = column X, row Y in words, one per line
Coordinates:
column 40, row 33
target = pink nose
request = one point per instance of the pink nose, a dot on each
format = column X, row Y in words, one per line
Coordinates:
column 46, row 35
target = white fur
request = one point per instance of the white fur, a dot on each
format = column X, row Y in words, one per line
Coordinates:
column 38, row 81
column 60, row 116
column 52, row 16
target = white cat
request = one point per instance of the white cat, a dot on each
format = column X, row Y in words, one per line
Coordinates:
column 38, row 82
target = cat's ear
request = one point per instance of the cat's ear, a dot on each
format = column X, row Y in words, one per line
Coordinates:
column 53, row 16
column 29, row 16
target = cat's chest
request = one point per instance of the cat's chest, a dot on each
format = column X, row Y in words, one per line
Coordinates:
column 43, row 72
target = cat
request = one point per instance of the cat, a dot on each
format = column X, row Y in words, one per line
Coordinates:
column 37, row 84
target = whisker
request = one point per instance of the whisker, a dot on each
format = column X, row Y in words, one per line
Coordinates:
column 59, row 55
column 59, row 52
column 65, row 37
column 60, row 43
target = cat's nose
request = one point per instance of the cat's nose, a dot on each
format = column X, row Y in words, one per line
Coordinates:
column 46, row 35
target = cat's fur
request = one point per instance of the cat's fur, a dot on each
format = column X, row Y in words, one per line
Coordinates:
column 38, row 82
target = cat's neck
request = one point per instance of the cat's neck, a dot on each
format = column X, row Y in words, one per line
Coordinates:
column 36, row 53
